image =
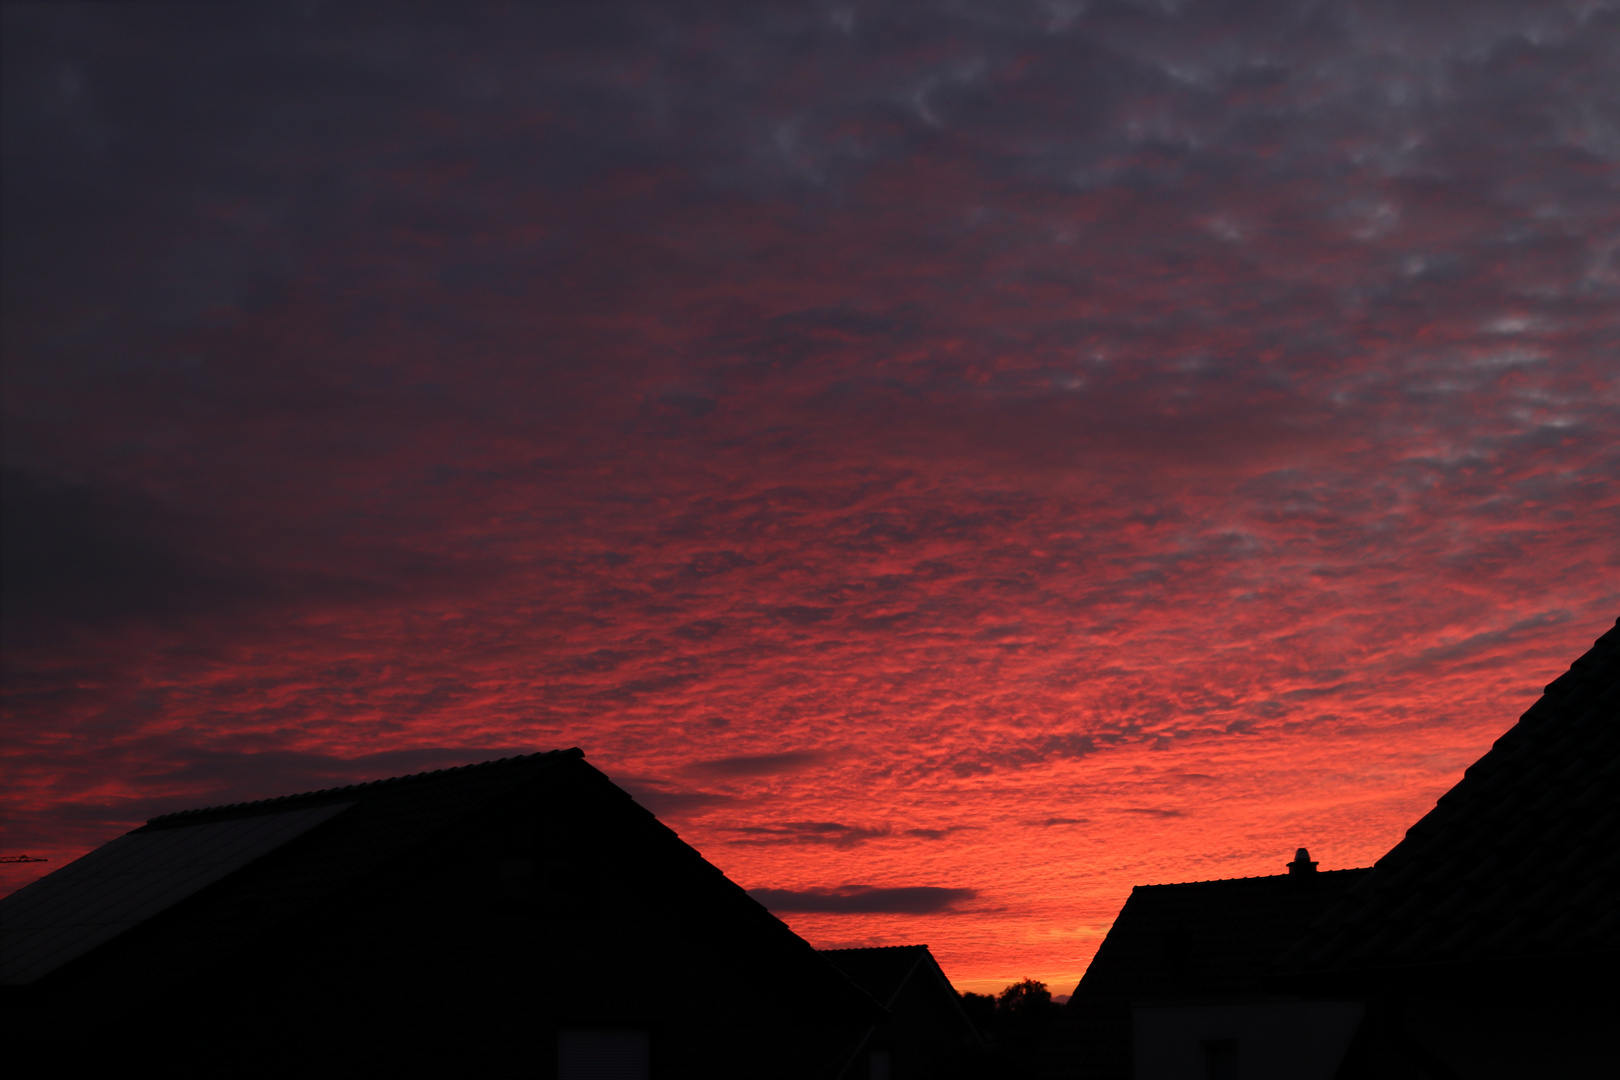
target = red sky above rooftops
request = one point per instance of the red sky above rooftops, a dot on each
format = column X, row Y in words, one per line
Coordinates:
column 1013, row 454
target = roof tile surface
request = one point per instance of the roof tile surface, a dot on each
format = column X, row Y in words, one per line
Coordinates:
column 384, row 820
column 880, row 971
column 1520, row 859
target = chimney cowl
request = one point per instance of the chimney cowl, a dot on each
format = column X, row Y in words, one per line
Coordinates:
column 1302, row 863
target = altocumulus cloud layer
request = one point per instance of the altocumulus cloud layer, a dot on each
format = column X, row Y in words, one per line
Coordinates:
column 953, row 464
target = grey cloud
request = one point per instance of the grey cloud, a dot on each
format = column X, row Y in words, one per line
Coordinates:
column 1481, row 642
column 865, row 899
column 759, row 764
column 702, row 630
column 713, row 563
column 801, row 614
column 650, row 684
column 598, row 660
column 666, row 801
column 1306, row 693
column 87, row 555
column 809, row 832
column 1033, row 751
column 76, row 553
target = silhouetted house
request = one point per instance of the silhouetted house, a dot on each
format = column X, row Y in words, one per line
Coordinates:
column 518, row 917
column 1483, row 945
column 1176, row 989
column 926, row 1035
column 1486, row 942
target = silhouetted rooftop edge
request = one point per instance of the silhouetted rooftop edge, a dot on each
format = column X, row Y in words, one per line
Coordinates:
column 1255, row 877
column 366, row 785
column 1519, row 859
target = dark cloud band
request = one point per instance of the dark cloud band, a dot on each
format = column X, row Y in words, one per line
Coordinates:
column 865, row 900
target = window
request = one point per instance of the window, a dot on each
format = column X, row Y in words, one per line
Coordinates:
column 602, row 1054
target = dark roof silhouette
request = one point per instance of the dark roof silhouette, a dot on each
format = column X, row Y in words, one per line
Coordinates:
column 1520, row 860
column 381, row 819
column 884, row 971
column 1195, row 941
column 927, row 1033
column 122, row 884
column 448, row 922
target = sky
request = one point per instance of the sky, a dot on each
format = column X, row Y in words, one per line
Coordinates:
column 952, row 462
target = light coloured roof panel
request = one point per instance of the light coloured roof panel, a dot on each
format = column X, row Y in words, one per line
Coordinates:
column 93, row 899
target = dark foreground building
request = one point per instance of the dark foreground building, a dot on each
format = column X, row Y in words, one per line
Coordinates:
column 1486, row 942
column 1178, row 988
column 522, row 917
column 926, row 1035
column 1482, row 946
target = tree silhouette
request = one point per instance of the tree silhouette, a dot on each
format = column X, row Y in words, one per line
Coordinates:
column 981, row 1009
column 1024, row 1015
column 1014, row 1023
column 1026, row 999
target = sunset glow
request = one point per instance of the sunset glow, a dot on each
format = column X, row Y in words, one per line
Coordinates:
column 1014, row 454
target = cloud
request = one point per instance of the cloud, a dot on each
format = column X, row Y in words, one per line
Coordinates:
column 865, row 899
column 792, row 761
column 82, row 556
column 1029, row 751
column 1471, row 647
column 801, row 614
column 808, row 832
column 670, row 384
column 75, row 553
column 664, row 803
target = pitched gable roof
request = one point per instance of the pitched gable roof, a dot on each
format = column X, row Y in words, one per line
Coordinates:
column 442, row 923
column 1200, row 940
column 1521, row 859
column 130, row 881
column 882, row 972
column 927, row 1029
column 122, row 884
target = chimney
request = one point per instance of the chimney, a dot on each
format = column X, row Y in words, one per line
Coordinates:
column 1302, row 863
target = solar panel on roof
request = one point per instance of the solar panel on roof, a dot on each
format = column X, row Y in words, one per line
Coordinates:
column 121, row 884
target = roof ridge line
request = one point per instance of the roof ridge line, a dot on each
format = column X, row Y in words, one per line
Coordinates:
column 894, row 994
column 1252, row 877
column 572, row 751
